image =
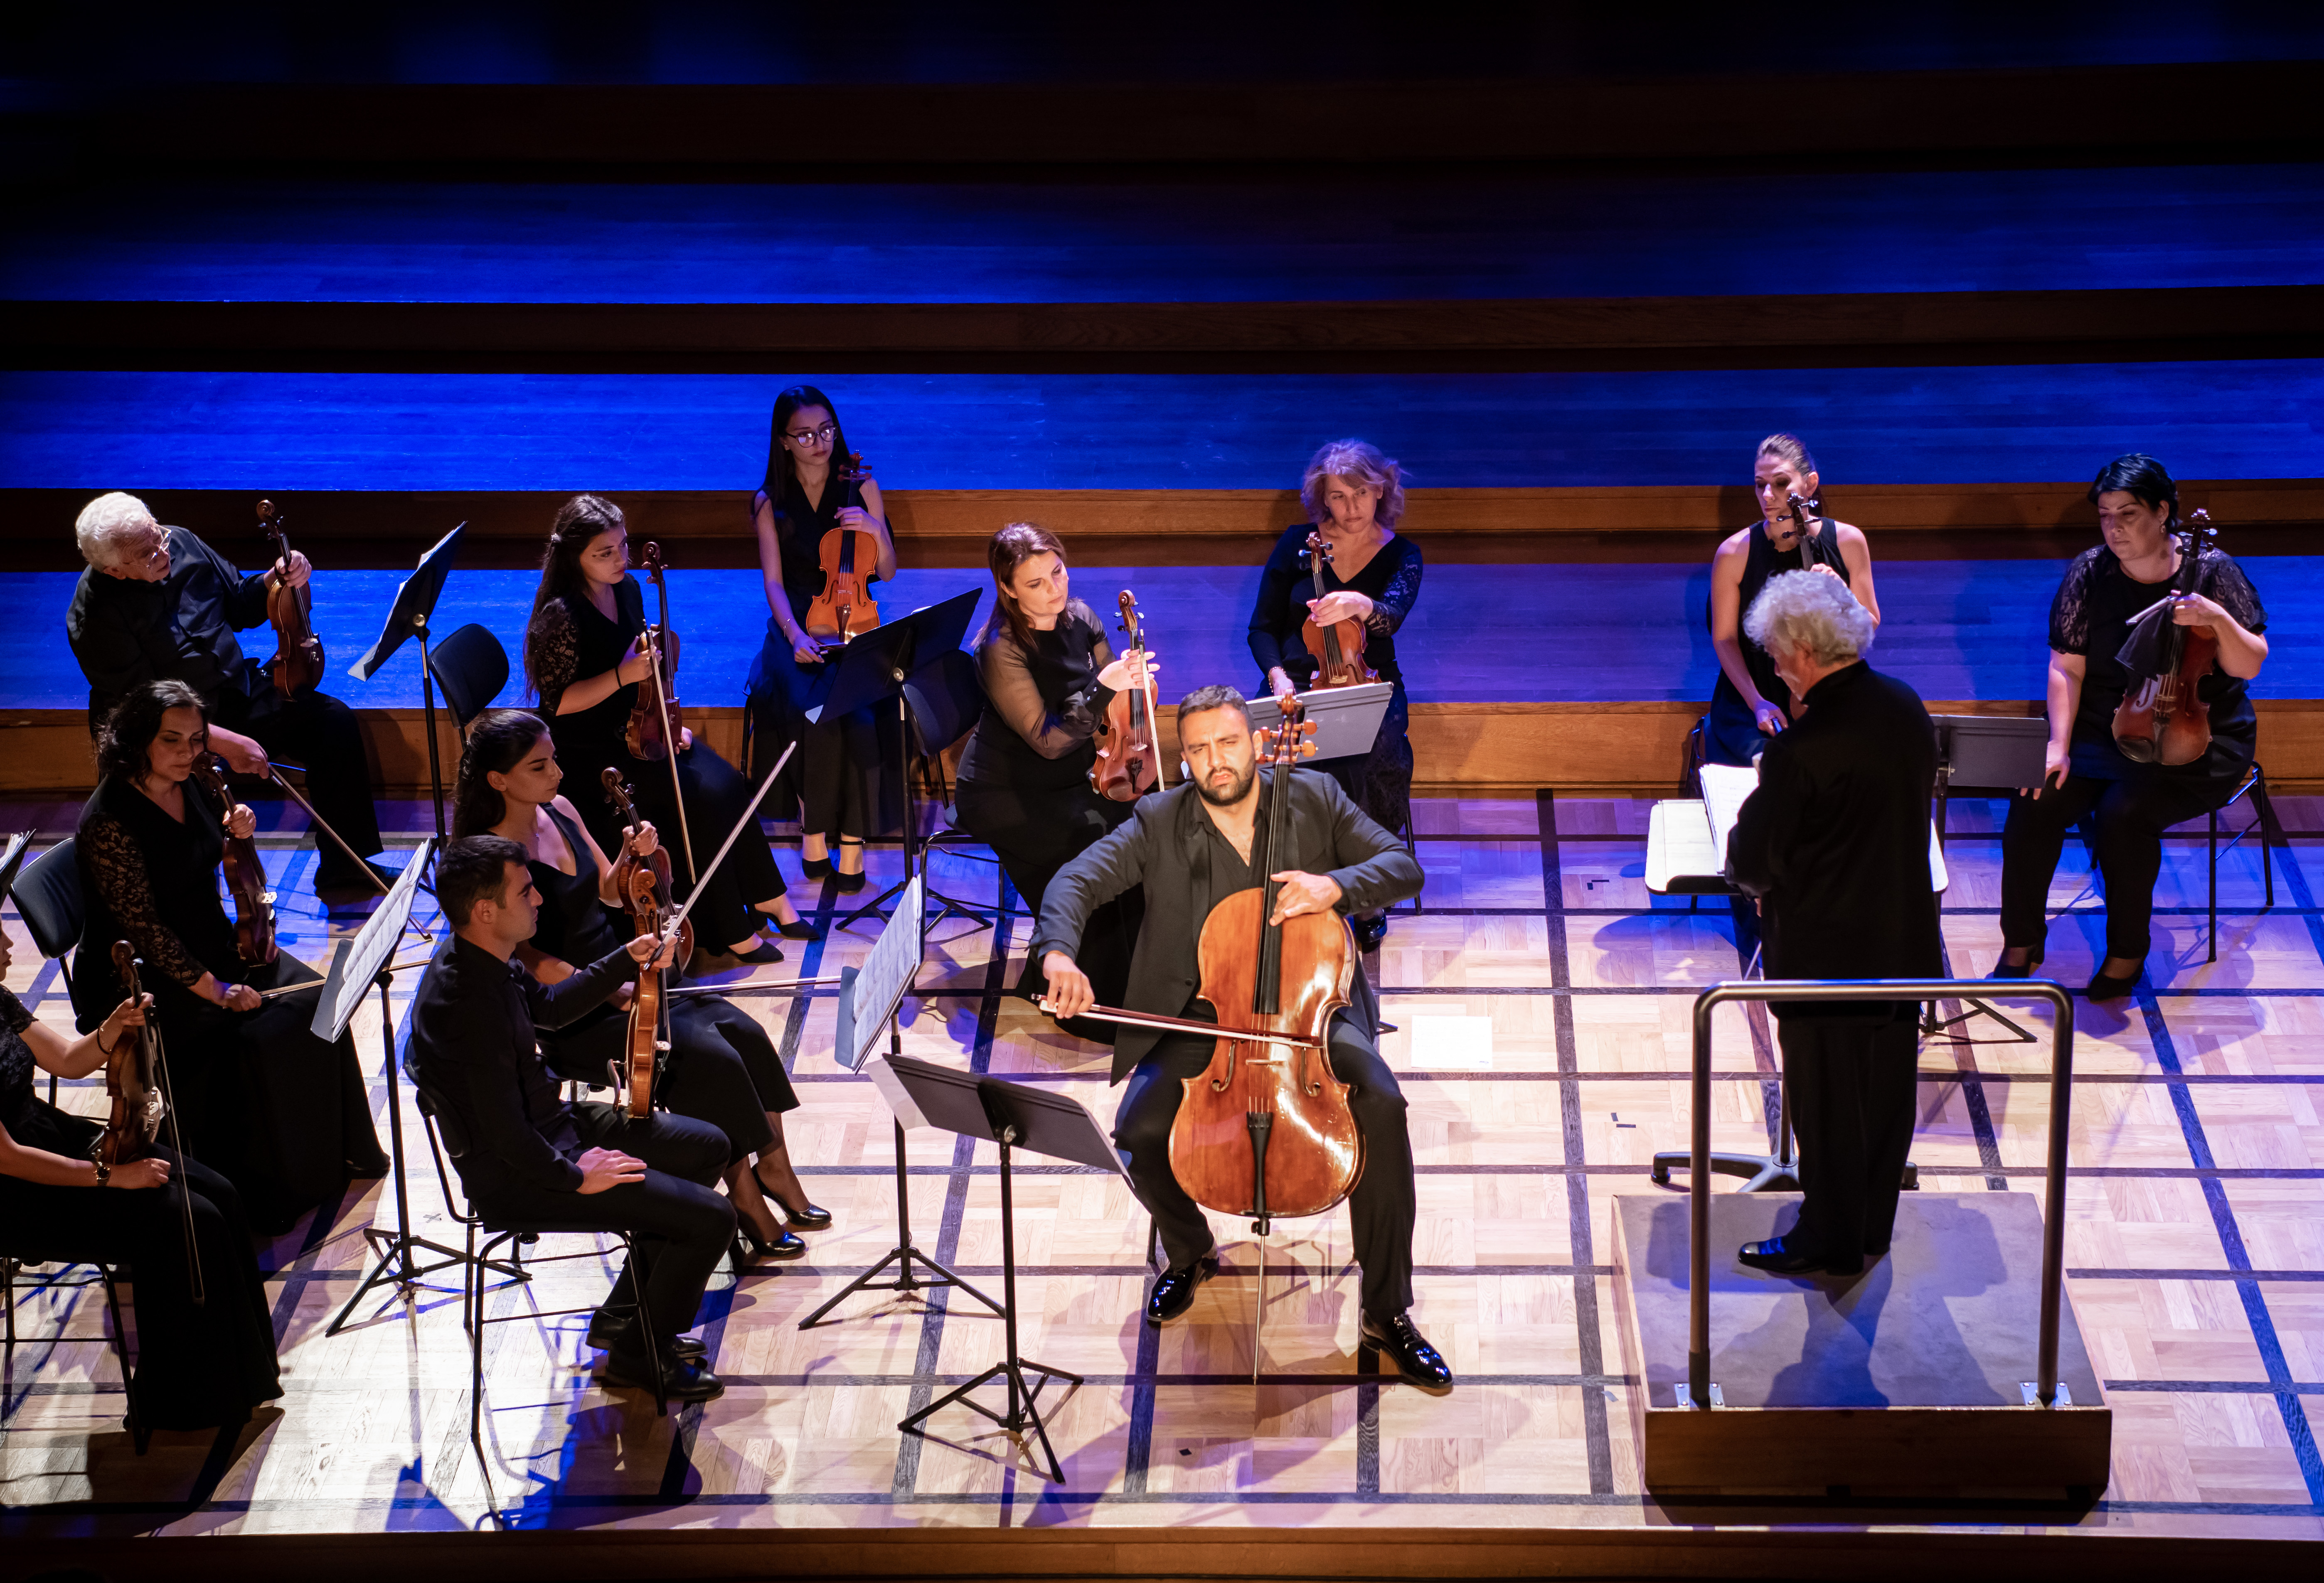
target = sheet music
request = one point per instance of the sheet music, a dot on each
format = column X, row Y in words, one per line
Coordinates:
column 1726, row 787
column 887, row 972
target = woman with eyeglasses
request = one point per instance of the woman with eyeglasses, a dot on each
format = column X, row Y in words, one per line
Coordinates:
column 841, row 794
column 585, row 656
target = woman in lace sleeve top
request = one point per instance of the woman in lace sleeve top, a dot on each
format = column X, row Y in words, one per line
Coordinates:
column 2105, row 590
column 280, row 1114
column 1354, row 496
column 200, row 1365
column 1024, row 788
column 585, row 654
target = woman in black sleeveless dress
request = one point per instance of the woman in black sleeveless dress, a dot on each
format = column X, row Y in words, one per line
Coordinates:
column 1354, row 497
column 199, row 1365
column 1750, row 703
column 2086, row 774
column 1024, row 787
column 585, row 654
column 722, row 1068
column 837, row 777
column 283, row 1116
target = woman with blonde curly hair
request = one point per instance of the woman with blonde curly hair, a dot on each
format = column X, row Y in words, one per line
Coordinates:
column 1354, row 497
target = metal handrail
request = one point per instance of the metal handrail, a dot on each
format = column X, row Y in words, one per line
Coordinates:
column 2053, row 1210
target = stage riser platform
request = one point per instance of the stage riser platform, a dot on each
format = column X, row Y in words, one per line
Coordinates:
column 1636, row 748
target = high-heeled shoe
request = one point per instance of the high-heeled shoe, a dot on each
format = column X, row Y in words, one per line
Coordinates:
column 2022, row 970
column 813, row 1217
column 798, row 929
column 815, row 868
column 765, row 953
column 2105, row 986
column 783, row 1248
column 843, row 882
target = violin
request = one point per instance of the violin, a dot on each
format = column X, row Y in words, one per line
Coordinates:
column 655, row 864
column 645, row 889
column 296, row 666
column 655, row 720
column 137, row 1076
column 1338, row 649
column 246, row 874
column 2164, row 719
column 844, row 610
column 1129, row 760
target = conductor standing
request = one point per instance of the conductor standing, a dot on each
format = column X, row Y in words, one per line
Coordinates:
column 1835, row 845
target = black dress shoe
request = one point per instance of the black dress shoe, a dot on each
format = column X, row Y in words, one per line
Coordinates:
column 2107, row 987
column 815, row 868
column 683, row 1379
column 1420, row 1365
column 798, row 929
column 1777, row 1259
column 375, row 1163
column 848, row 884
column 1174, row 1290
column 2024, row 969
column 1369, row 932
column 810, row 1218
column 610, row 1329
column 765, row 953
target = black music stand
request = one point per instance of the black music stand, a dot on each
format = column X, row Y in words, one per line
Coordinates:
column 869, row 1001
column 1015, row 1116
column 872, row 669
column 360, row 963
column 1993, row 752
column 415, row 602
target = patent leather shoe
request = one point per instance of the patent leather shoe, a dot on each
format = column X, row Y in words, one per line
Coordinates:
column 610, row 1332
column 1419, row 1364
column 1776, row 1258
column 783, row 1246
column 1174, row 1290
column 813, row 1218
column 1369, row 932
column 2107, row 987
column 683, row 1378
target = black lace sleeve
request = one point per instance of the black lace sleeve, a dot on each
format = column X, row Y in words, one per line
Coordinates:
column 554, row 648
column 2223, row 580
column 118, row 869
column 15, row 1016
column 2070, row 611
column 1403, row 590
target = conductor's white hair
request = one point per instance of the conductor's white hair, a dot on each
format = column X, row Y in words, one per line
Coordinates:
column 105, row 522
column 1812, row 612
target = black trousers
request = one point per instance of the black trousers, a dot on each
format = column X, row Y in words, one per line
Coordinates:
column 199, row 1367
column 715, row 795
column 837, row 775
column 2132, row 816
column 1382, row 1207
column 683, row 1227
column 722, row 1068
column 320, row 733
column 1850, row 1084
column 1034, row 834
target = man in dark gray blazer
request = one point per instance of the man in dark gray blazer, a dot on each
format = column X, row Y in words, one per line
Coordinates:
column 1190, row 848
column 1835, row 844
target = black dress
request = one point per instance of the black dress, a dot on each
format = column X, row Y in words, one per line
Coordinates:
column 571, row 640
column 838, row 780
column 198, row 1366
column 722, row 1068
column 1023, row 788
column 1379, row 782
column 259, row 1099
column 2133, row 803
column 1731, row 733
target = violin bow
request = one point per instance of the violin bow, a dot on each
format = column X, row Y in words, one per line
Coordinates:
column 274, row 773
column 177, row 1144
column 750, row 811
column 662, row 702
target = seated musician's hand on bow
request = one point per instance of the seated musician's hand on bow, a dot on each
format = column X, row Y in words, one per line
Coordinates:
column 241, row 823
column 645, row 948
column 1344, row 605
column 1121, row 675
column 1070, row 994
column 1304, row 893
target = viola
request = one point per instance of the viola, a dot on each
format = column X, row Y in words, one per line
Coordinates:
column 1338, row 649
column 655, row 864
column 133, row 1079
column 1129, row 758
column 655, row 720
column 849, row 558
column 296, row 666
column 645, row 890
column 2163, row 719
column 246, row 874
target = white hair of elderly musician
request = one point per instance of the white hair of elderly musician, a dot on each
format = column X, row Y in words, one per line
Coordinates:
column 1813, row 614
column 107, row 522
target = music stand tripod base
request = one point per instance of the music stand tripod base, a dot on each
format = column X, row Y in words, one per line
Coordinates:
column 903, row 1255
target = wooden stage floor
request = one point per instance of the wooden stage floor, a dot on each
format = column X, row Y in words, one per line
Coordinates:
column 1544, row 1000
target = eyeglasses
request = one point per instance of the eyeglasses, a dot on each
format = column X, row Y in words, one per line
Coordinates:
column 803, row 437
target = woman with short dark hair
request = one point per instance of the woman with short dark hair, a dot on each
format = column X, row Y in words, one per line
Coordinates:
column 283, row 1116
column 2085, row 772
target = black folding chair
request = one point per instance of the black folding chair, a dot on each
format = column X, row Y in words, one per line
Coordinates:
column 48, row 897
column 472, row 668
column 2271, row 833
column 23, row 1250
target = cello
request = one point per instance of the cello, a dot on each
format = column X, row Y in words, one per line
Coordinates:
column 1265, row 1129
column 136, row 1078
column 644, row 887
column 245, row 873
column 296, row 666
column 844, row 610
column 1338, row 649
column 2164, row 719
column 656, row 723
column 1129, row 761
